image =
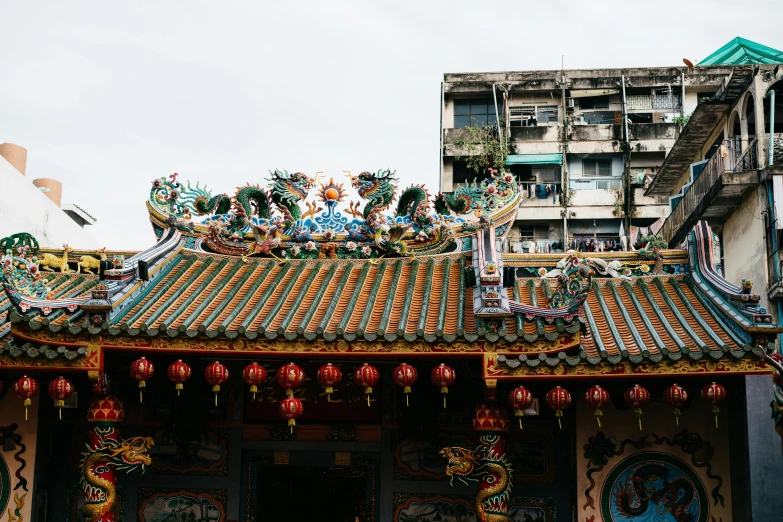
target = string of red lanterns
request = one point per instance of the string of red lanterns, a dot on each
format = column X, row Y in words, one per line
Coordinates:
column 291, row 377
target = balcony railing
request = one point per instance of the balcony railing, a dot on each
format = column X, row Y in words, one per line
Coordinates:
column 706, row 186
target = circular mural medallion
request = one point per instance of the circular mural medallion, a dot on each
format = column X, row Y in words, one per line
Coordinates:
column 5, row 485
column 653, row 487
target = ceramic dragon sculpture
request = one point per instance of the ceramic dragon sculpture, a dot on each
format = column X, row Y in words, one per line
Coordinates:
column 776, row 361
column 183, row 200
column 488, row 465
column 378, row 189
column 465, row 198
column 104, row 456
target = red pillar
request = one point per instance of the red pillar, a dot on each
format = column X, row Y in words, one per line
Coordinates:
column 486, row 464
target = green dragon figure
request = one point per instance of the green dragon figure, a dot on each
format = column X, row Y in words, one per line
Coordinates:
column 286, row 193
column 464, row 199
column 102, row 458
column 378, row 189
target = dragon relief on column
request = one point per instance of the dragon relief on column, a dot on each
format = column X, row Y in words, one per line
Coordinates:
column 489, row 467
column 776, row 362
column 101, row 462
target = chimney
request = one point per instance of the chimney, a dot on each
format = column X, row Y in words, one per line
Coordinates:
column 52, row 188
column 15, row 155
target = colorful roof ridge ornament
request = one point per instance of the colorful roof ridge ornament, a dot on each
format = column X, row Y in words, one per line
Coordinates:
column 274, row 223
column 443, row 376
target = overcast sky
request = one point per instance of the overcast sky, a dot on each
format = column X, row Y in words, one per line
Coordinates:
column 107, row 96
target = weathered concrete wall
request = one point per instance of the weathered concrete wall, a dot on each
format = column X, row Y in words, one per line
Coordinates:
column 658, row 423
column 743, row 244
column 22, row 498
column 24, row 208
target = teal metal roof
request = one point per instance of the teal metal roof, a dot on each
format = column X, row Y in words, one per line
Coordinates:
column 534, row 159
column 740, row 51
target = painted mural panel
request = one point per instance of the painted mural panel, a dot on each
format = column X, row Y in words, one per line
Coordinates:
column 172, row 505
column 653, row 487
column 191, row 452
column 409, row 507
column 532, row 456
column 15, row 473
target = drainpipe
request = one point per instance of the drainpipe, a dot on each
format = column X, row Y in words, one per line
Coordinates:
column 627, row 174
column 771, row 127
column 682, row 99
column 442, row 107
column 497, row 116
column 564, row 168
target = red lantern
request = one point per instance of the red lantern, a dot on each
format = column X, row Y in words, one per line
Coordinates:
column 60, row 390
column 596, row 397
column 558, row 399
column 253, row 375
column 367, row 376
column 675, row 397
column 714, row 394
column 216, row 374
column 329, row 376
column 405, row 376
column 26, row 388
column 290, row 376
column 179, row 372
column 444, row 377
column 637, row 397
column 520, row 398
column 291, row 408
column 142, row 370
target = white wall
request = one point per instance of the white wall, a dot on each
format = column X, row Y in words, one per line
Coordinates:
column 24, row 208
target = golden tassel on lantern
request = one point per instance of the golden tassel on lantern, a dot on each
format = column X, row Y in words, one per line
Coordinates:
column 444, row 391
column 28, row 402
column 638, row 411
column 598, row 414
column 716, row 410
column 559, row 415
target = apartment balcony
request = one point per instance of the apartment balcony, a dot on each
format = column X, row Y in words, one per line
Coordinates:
column 714, row 194
column 652, row 131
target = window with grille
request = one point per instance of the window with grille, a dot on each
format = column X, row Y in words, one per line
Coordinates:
column 593, row 168
column 474, row 113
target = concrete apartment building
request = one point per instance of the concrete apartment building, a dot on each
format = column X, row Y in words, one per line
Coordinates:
column 583, row 143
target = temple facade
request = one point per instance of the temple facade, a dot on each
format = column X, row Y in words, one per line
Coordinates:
column 340, row 350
